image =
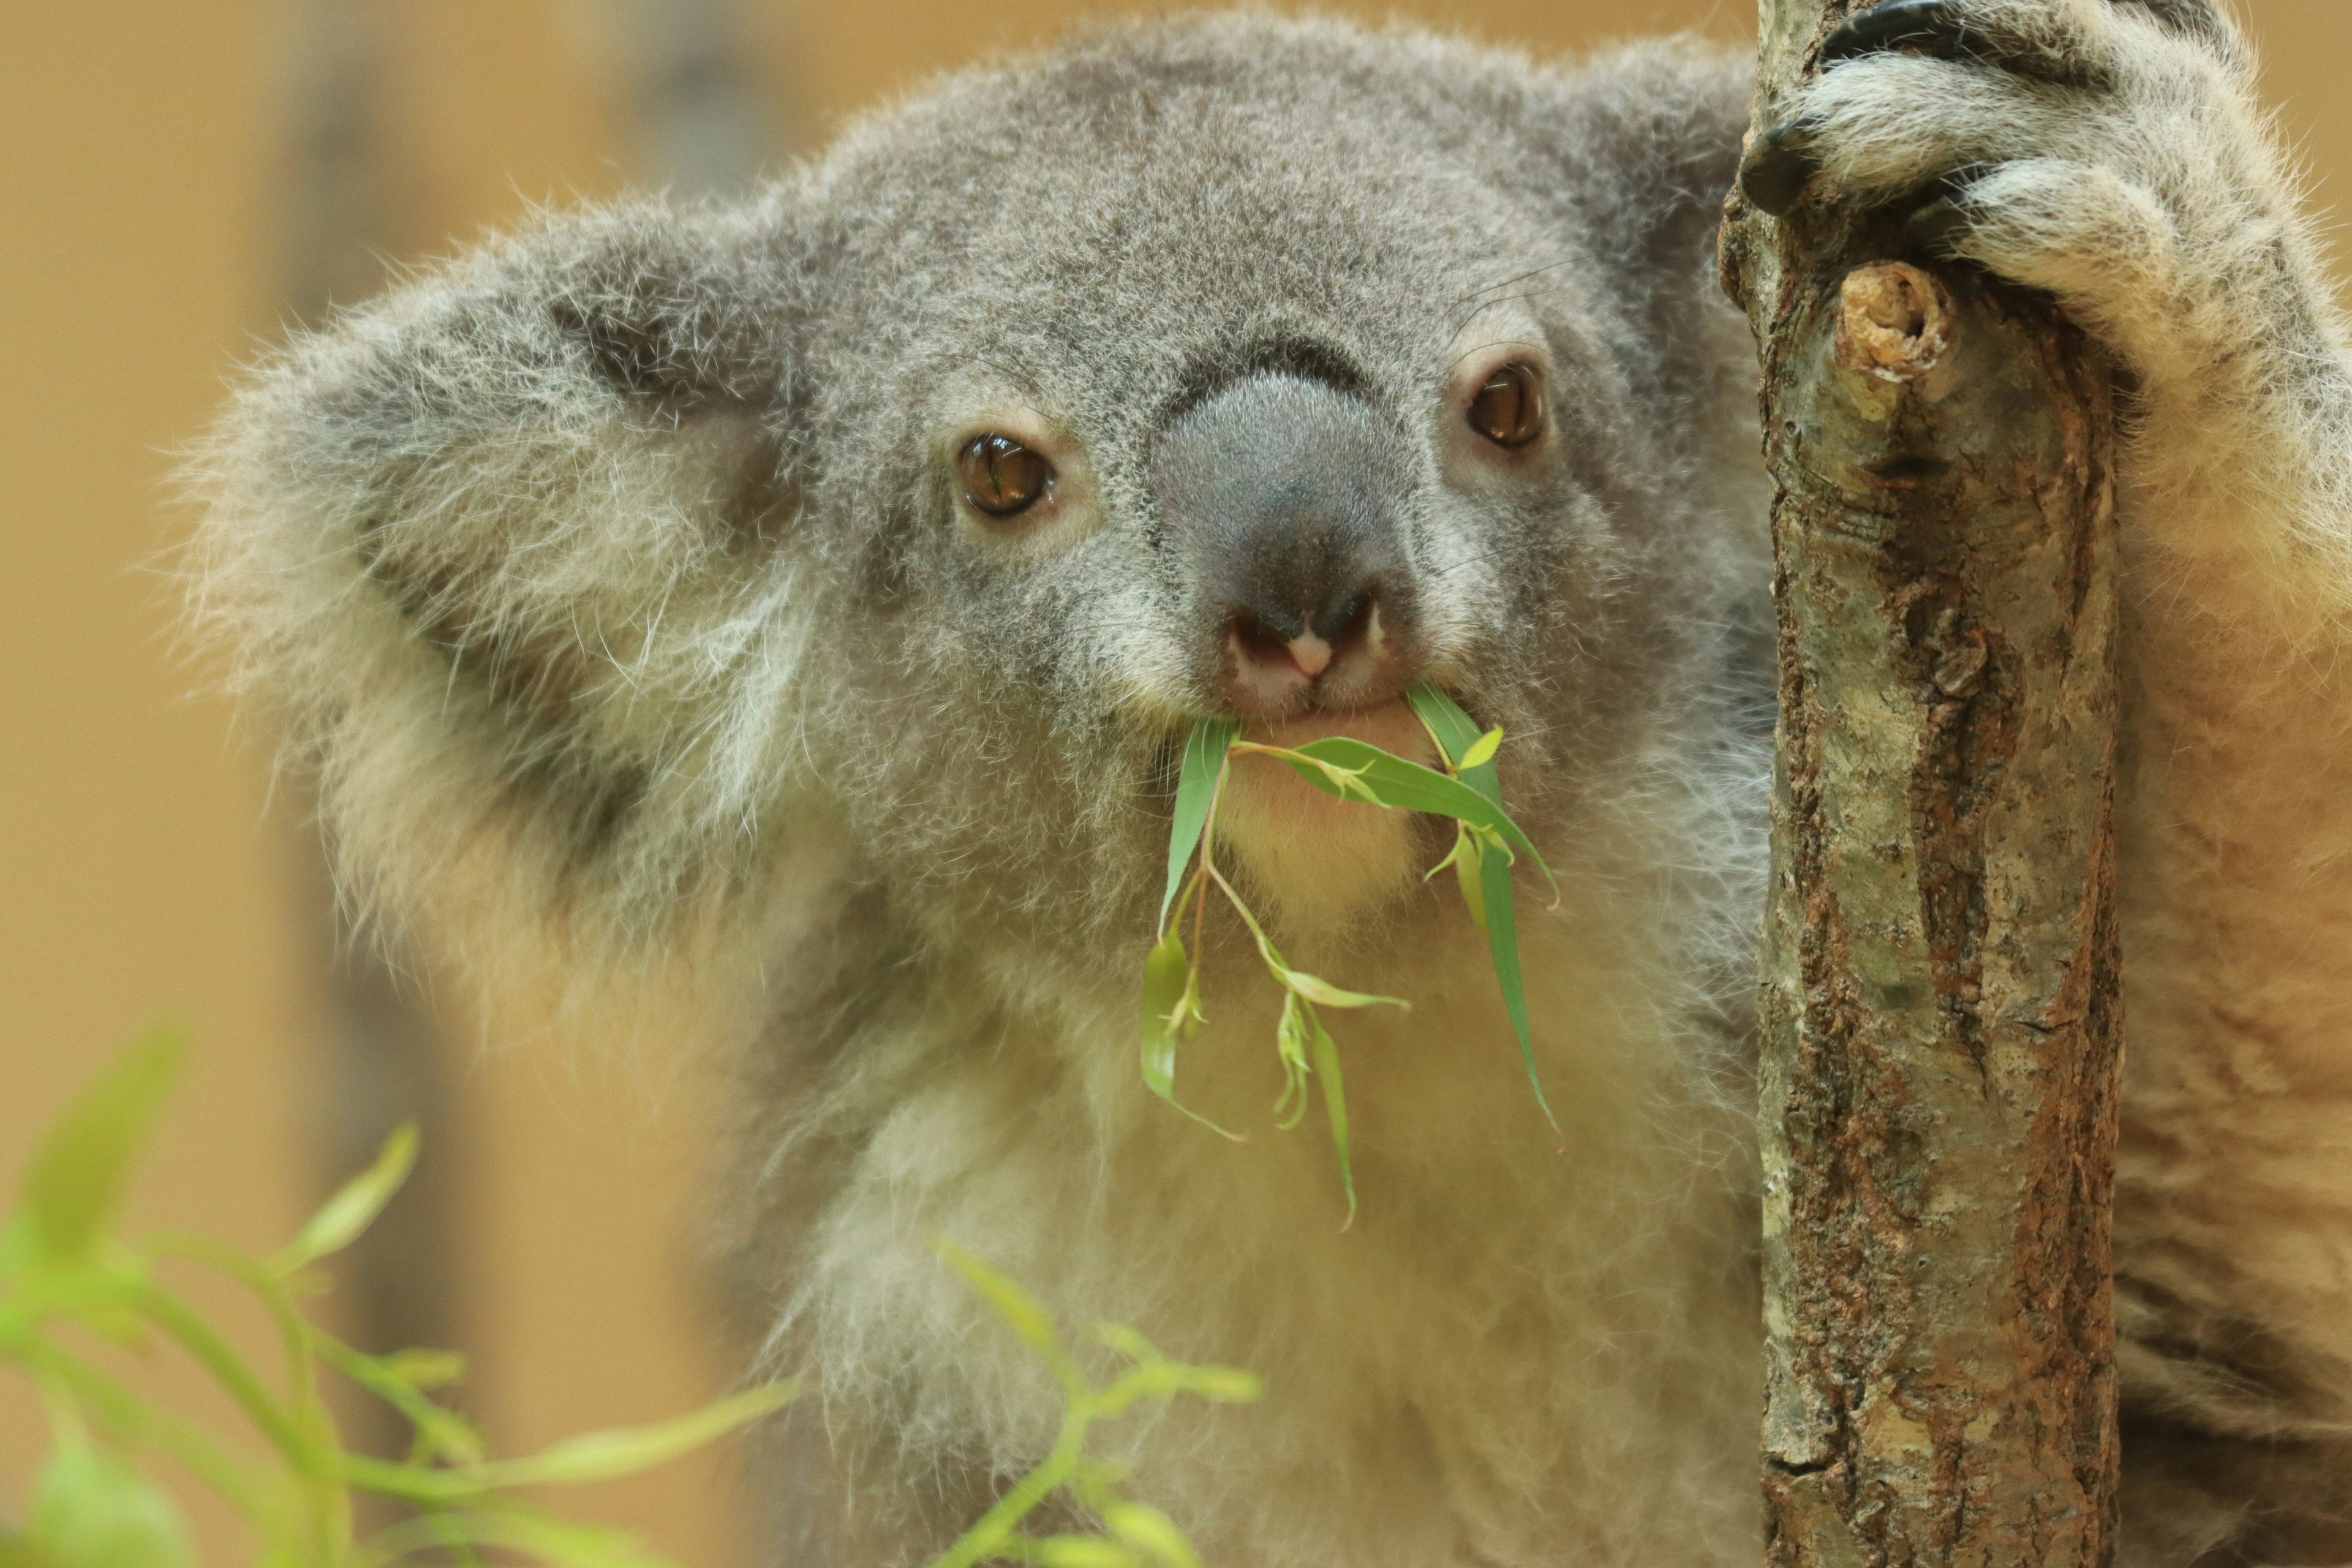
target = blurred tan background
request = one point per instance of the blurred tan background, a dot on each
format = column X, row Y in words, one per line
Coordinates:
column 176, row 182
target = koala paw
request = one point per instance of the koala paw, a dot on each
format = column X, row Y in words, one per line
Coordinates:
column 2107, row 151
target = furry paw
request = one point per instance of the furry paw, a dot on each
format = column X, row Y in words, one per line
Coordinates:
column 2106, row 150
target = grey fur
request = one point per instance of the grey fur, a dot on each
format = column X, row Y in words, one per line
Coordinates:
column 615, row 578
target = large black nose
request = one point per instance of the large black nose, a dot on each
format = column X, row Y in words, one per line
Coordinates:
column 1284, row 497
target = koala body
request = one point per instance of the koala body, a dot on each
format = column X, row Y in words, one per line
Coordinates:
column 647, row 590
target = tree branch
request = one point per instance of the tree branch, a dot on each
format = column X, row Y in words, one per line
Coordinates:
column 1939, row 1006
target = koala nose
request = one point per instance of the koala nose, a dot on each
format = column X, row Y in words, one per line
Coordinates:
column 1283, row 496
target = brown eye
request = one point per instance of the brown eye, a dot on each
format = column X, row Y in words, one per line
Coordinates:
column 1508, row 410
column 1001, row 476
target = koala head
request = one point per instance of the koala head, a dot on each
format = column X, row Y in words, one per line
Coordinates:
column 1228, row 366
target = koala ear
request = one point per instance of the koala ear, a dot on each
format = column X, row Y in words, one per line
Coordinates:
column 1651, row 138
column 514, row 548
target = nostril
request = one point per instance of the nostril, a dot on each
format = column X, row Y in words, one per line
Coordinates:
column 1261, row 643
column 1308, row 644
column 1349, row 623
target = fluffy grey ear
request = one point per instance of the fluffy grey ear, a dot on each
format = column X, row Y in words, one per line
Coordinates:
column 512, row 547
column 1649, row 145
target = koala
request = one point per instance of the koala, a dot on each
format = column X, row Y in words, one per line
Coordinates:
column 795, row 609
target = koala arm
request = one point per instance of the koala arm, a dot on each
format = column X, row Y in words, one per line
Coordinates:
column 510, row 548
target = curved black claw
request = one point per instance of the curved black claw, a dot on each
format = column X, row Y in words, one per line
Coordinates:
column 1936, row 230
column 1779, row 165
column 1930, row 27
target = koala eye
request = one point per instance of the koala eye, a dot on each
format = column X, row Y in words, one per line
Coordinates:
column 1001, row 476
column 1508, row 410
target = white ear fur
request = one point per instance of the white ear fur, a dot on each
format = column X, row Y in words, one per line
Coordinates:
column 504, row 547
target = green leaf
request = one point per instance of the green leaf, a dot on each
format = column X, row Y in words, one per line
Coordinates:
column 1323, row 993
column 1019, row 1309
column 1290, row 1049
column 1335, row 1105
column 600, row 1456
column 343, row 1217
column 1481, row 752
column 1503, row 940
column 1142, row 1526
column 1071, row 1551
column 76, row 1179
column 91, row 1508
column 1224, row 1384
column 1092, row 1481
column 1167, row 981
column 1489, row 893
column 1129, row 1342
column 1393, row 781
column 422, row 1368
column 1196, row 786
column 517, row 1528
column 1171, row 1011
column 441, row 1432
column 1468, row 865
column 1456, row 733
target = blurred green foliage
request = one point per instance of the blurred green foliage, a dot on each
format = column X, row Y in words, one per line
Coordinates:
column 69, row 1281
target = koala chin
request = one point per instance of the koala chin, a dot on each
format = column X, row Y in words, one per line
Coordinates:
column 797, row 605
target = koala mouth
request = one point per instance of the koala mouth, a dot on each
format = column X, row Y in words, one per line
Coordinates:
column 1390, row 725
column 1325, row 863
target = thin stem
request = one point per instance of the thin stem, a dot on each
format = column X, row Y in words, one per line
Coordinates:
column 987, row 1538
column 195, row 1336
column 1265, row 946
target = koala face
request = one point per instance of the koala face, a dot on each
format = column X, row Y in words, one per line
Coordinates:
column 915, row 508
column 1156, row 393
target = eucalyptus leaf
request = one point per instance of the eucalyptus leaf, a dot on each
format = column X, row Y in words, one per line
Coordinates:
column 1488, row 892
column 1482, row 751
column 1456, row 733
column 1129, row 1342
column 1323, row 993
column 1016, row 1307
column 93, row 1508
column 1196, row 786
column 1140, row 1525
column 343, row 1218
column 1503, row 940
column 1167, row 978
column 1469, row 874
column 548, row 1541
column 1335, row 1105
column 424, row 1368
column 600, row 1456
column 441, row 1433
column 1074, row 1551
column 1393, row 781
column 75, row 1180
column 1290, row 1050
column 1224, row 1384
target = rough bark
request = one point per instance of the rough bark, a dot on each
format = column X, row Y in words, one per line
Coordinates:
column 1939, row 1003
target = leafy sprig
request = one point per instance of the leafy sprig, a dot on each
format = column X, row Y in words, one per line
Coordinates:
column 65, row 1272
column 1134, row 1534
column 1487, row 844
